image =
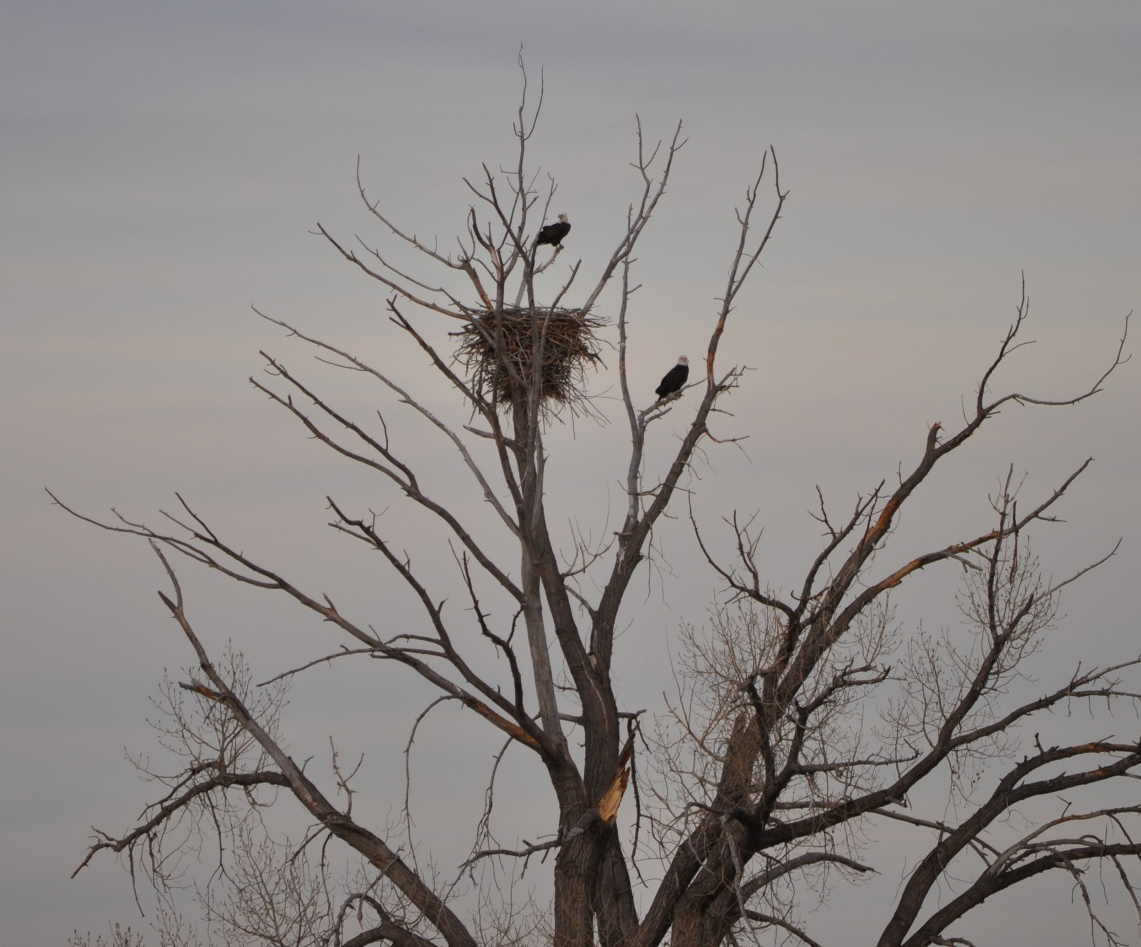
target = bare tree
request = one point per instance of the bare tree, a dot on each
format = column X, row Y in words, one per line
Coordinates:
column 119, row 938
column 760, row 783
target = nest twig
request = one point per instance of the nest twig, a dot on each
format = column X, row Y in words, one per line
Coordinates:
column 508, row 353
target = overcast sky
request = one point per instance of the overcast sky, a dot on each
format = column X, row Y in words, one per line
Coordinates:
column 164, row 165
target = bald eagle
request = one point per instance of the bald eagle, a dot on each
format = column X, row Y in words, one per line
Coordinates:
column 674, row 379
column 554, row 233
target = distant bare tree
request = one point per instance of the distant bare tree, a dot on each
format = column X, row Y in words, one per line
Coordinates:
column 120, row 937
column 803, row 720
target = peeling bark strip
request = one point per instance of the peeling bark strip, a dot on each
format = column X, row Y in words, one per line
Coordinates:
column 767, row 770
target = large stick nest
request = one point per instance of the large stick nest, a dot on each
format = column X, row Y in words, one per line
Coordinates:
column 507, row 354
